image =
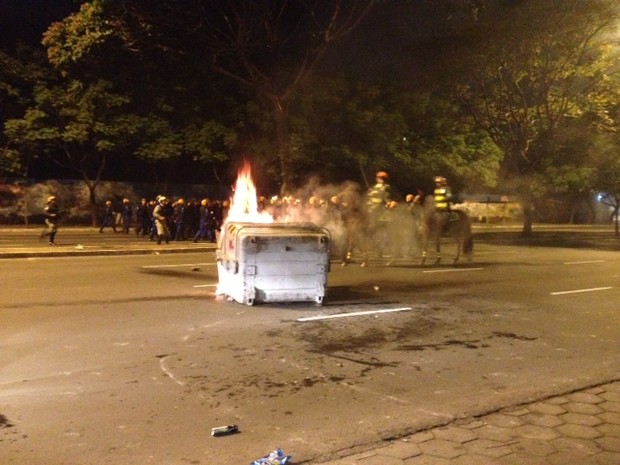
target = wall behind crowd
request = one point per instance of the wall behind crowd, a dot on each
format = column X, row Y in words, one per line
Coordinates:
column 22, row 202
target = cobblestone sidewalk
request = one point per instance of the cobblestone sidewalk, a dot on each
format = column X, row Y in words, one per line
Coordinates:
column 580, row 428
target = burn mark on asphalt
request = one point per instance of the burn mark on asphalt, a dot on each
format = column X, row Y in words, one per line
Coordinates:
column 513, row 336
column 371, row 363
column 325, row 338
column 442, row 345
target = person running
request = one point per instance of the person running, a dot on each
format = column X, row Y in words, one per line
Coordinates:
column 51, row 212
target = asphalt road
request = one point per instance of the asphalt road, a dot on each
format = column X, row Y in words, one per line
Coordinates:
column 130, row 359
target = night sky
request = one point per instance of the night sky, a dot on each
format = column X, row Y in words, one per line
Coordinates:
column 26, row 20
column 393, row 24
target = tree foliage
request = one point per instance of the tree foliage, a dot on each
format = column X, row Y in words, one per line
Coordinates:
column 545, row 63
column 82, row 124
column 172, row 84
column 270, row 47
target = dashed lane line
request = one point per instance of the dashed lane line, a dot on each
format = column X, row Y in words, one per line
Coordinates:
column 178, row 265
column 584, row 262
column 452, row 270
column 577, row 291
column 352, row 314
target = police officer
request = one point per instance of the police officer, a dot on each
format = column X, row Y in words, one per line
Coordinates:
column 126, row 214
column 379, row 197
column 379, row 194
column 442, row 194
column 109, row 217
column 143, row 218
column 161, row 223
column 178, row 217
column 51, row 219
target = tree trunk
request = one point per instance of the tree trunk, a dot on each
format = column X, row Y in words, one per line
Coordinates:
column 528, row 215
column 363, row 174
column 92, row 199
column 282, row 140
column 528, row 209
column 573, row 208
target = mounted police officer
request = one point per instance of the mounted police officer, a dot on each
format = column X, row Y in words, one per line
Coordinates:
column 442, row 195
column 379, row 194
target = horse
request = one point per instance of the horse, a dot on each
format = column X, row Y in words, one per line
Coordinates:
column 432, row 225
column 365, row 227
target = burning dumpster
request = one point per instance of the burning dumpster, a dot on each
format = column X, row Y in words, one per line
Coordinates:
column 273, row 262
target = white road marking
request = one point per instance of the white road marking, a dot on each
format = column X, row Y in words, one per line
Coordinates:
column 181, row 265
column 496, row 252
column 168, row 372
column 576, row 291
column 452, row 270
column 584, row 262
column 346, row 315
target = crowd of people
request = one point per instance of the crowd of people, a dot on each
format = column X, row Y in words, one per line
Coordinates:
column 164, row 219
column 355, row 219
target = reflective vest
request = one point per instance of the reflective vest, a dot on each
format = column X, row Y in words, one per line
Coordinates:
column 442, row 198
column 378, row 196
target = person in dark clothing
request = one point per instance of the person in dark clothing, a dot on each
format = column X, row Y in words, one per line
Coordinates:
column 51, row 219
column 178, row 217
column 126, row 214
column 143, row 218
column 208, row 222
column 201, row 233
column 152, row 227
column 109, row 217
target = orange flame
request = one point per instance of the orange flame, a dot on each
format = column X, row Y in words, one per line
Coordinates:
column 244, row 204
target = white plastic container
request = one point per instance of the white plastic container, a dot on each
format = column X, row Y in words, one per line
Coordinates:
column 273, row 262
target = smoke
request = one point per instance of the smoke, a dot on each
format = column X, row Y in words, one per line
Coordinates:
column 342, row 210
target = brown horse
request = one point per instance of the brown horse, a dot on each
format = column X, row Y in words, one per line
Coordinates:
column 433, row 225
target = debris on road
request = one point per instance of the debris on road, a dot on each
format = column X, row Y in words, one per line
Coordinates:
column 224, row 430
column 277, row 457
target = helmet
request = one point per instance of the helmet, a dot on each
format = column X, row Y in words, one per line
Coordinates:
column 51, row 198
column 382, row 175
column 161, row 199
column 409, row 198
column 440, row 180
